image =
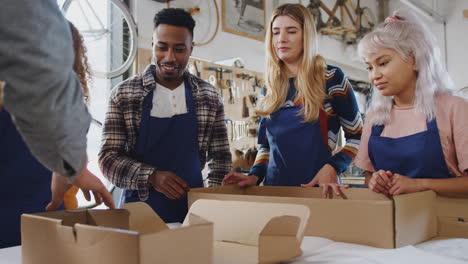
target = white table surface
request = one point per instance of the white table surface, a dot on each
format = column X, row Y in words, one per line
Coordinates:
column 322, row 250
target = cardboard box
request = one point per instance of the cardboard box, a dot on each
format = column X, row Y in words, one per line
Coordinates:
column 250, row 232
column 360, row 216
column 232, row 232
column 133, row 235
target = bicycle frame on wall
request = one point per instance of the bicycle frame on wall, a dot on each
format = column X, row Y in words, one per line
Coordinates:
column 244, row 17
column 351, row 24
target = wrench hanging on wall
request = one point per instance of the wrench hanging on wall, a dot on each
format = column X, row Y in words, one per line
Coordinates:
column 219, row 76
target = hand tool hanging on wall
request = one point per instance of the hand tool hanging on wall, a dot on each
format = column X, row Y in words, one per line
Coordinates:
column 230, row 129
column 258, row 83
column 254, row 84
column 230, row 86
column 245, row 79
column 245, row 109
column 219, row 75
column 198, row 67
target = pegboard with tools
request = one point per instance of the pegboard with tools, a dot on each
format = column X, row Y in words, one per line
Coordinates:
column 240, row 90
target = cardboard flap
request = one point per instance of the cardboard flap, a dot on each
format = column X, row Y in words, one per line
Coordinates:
column 372, row 213
column 415, row 218
column 288, row 191
column 143, row 219
column 452, row 227
column 39, row 225
column 452, row 207
column 452, row 216
column 193, row 219
column 285, row 225
column 87, row 235
column 117, row 218
column 278, row 241
column 242, row 222
column 187, row 244
column 68, row 217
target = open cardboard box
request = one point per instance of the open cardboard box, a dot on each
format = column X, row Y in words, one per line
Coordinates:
column 238, row 232
column 133, row 235
column 250, row 232
column 359, row 215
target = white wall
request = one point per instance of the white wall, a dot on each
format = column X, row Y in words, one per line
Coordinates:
column 227, row 45
column 457, row 43
column 454, row 46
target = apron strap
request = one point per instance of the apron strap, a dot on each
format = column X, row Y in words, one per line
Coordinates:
column 377, row 130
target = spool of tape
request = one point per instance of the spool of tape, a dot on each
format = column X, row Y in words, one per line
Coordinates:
column 212, row 80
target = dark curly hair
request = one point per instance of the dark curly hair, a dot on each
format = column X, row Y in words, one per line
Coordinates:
column 80, row 64
column 174, row 17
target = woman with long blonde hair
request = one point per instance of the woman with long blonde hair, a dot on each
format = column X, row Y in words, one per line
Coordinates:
column 26, row 182
column 306, row 104
column 415, row 135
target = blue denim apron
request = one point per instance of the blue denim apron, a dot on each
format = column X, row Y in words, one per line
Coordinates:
column 25, row 182
column 416, row 156
column 169, row 144
column 297, row 150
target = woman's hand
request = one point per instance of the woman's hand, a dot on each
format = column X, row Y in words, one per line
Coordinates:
column 240, row 179
column 402, row 184
column 381, row 182
column 326, row 178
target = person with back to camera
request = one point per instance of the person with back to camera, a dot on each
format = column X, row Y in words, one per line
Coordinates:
column 27, row 180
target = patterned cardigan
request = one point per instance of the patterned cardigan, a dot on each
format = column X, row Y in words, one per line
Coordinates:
column 117, row 158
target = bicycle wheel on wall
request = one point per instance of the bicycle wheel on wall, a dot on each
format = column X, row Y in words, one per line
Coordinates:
column 206, row 16
column 109, row 32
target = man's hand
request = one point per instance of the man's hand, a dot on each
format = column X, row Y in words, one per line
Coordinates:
column 169, row 184
column 326, row 178
column 240, row 179
column 87, row 182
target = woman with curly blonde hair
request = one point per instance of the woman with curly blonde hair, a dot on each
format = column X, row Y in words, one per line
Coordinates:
column 28, row 182
column 306, row 104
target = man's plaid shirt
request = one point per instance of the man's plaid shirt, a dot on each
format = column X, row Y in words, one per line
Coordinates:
column 117, row 157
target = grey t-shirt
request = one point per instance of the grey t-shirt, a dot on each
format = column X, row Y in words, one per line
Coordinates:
column 42, row 92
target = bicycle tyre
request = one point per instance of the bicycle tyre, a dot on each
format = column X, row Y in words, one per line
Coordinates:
column 122, row 7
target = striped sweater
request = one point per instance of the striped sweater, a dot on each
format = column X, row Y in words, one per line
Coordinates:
column 340, row 111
